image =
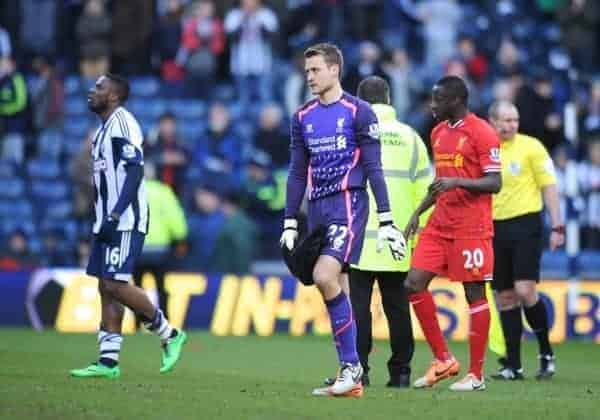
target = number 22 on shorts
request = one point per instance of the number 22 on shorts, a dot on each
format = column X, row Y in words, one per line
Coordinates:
column 337, row 236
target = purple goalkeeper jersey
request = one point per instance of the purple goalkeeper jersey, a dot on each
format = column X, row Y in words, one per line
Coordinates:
column 334, row 148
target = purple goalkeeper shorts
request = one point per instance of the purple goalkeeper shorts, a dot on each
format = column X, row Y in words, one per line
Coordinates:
column 345, row 216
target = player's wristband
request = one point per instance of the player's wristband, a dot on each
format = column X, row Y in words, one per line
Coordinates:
column 385, row 218
column 290, row 224
column 559, row 229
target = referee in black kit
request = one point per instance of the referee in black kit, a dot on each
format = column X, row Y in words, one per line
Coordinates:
column 528, row 182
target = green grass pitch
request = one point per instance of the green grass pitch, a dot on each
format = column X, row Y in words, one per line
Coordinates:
column 269, row 378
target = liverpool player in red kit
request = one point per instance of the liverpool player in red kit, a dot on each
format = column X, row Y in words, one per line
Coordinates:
column 457, row 240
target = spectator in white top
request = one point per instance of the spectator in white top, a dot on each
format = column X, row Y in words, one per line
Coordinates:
column 38, row 26
column 404, row 81
column 296, row 90
column 164, row 7
column 591, row 114
column 93, row 32
column 561, row 159
column 440, row 25
column 251, row 29
column 589, row 181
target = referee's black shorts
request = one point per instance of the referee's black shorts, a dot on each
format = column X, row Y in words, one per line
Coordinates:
column 517, row 250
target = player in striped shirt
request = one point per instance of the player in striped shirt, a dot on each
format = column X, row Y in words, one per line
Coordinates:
column 121, row 222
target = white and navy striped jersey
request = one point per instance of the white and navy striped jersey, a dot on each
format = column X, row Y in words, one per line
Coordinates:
column 118, row 142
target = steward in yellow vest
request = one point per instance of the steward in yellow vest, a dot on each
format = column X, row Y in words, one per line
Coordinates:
column 407, row 173
column 166, row 239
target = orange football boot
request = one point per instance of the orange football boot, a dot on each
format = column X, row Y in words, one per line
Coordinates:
column 438, row 371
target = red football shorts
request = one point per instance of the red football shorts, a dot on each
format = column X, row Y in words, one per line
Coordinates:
column 463, row 260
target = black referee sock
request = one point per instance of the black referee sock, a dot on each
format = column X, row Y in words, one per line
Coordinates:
column 512, row 325
column 537, row 317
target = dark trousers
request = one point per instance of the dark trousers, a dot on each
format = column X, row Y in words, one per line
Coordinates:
column 397, row 312
column 156, row 264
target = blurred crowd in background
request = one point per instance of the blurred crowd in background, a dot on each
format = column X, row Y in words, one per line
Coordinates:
column 214, row 84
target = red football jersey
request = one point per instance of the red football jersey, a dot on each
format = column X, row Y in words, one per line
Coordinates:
column 467, row 149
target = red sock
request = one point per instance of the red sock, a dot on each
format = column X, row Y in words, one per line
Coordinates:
column 479, row 313
column 425, row 309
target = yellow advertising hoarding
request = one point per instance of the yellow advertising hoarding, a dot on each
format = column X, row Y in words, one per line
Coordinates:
column 231, row 305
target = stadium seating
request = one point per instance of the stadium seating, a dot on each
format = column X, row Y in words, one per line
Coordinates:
column 59, row 210
column 7, row 169
column 72, row 146
column 75, row 106
column 72, row 85
column 50, row 144
column 40, row 196
column 49, row 190
column 146, row 87
column 10, row 225
column 43, row 169
column 224, row 93
column 589, row 263
column 12, row 188
column 188, row 109
column 16, row 209
column 190, row 130
column 76, row 127
column 147, row 107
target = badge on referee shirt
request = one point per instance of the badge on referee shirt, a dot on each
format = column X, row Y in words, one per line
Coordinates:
column 514, row 168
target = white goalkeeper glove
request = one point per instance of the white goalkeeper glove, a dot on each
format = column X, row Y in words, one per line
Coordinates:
column 392, row 235
column 290, row 234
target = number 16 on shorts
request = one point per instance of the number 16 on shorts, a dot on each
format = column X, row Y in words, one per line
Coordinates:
column 472, row 260
column 113, row 256
column 112, row 259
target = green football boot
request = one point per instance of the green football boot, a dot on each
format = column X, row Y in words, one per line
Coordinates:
column 172, row 351
column 97, row 370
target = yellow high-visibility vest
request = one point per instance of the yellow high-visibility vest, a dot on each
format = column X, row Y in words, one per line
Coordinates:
column 408, row 173
column 167, row 220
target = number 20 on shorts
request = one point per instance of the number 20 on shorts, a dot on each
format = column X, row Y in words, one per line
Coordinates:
column 473, row 258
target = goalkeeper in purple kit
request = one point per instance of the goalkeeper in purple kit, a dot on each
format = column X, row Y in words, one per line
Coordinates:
column 335, row 148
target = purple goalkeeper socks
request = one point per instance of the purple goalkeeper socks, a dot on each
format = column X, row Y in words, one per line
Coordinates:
column 343, row 327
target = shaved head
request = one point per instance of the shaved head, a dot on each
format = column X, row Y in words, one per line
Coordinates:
column 504, row 117
column 449, row 98
column 501, row 107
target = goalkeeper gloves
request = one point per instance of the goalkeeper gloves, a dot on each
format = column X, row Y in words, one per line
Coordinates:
column 392, row 235
column 290, row 234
